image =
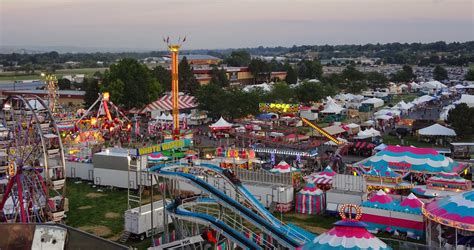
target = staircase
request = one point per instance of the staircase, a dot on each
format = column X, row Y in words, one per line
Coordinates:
column 272, row 207
column 124, row 237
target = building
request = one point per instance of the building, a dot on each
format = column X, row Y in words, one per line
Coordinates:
column 200, row 59
column 236, row 75
column 66, row 97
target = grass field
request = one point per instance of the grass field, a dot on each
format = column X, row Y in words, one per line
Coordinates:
column 408, row 140
column 11, row 76
column 405, row 97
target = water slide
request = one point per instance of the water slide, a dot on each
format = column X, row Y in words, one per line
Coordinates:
column 275, row 232
column 216, row 224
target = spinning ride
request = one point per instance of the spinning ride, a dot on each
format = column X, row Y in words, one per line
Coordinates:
column 36, row 174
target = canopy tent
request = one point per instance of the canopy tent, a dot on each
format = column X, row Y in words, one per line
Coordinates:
column 380, row 200
column 353, row 125
column 437, row 130
column 368, row 123
column 413, row 159
column 376, row 102
column 283, row 167
column 390, row 112
column 444, row 113
column 165, row 103
column 411, row 204
column 433, row 85
column 347, row 234
column 334, row 130
column 383, row 171
column 264, row 86
column 331, row 143
column 331, row 107
column 384, row 117
column 467, row 99
column 448, row 181
column 371, row 132
column 453, row 211
column 402, row 105
column 310, row 200
column 423, row 99
column 221, row 124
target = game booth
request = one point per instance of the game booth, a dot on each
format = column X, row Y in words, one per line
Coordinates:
column 443, row 184
column 384, row 214
column 384, row 177
column 348, row 233
column 310, row 200
column 451, row 221
column 221, row 128
column 322, row 179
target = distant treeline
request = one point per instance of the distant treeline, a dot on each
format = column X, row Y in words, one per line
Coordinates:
column 455, row 53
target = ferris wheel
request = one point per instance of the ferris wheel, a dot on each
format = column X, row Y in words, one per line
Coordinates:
column 36, row 168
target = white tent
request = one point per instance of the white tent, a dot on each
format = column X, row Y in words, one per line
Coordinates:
column 467, row 99
column 402, row 105
column 368, row 123
column 264, row 86
column 444, row 113
column 331, row 143
column 437, row 130
column 414, row 85
column 220, row 124
column 353, row 125
column 390, row 112
column 373, row 132
column 422, row 99
column 433, row 85
column 376, row 102
column 331, row 107
column 384, row 117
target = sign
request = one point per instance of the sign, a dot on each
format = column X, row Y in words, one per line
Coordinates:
column 278, row 107
column 399, row 164
column 162, row 147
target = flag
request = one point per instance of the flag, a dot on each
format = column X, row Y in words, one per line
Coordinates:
column 184, row 39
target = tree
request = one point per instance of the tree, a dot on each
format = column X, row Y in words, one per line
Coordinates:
column 210, row 98
column 469, row 75
column 134, row 81
column 64, row 83
column 163, row 76
column 219, row 77
column 282, row 93
column 238, row 58
column 376, row 80
column 308, row 92
column 187, row 81
column 440, row 73
column 461, row 118
column 291, row 77
column 351, row 74
column 91, row 88
column 408, row 69
column 260, row 70
column 400, row 76
column 310, row 70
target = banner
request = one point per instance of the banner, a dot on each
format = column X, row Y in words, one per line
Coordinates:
column 278, row 108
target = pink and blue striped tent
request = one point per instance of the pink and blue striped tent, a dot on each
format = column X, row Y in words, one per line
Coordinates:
column 310, row 200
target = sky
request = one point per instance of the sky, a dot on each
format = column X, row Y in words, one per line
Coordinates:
column 216, row 24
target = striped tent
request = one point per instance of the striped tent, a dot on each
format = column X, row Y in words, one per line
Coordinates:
column 165, row 103
column 310, row 200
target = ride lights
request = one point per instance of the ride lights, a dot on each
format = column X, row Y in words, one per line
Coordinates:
column 351, row 209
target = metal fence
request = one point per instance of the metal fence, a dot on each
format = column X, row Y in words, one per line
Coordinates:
column 262, row 176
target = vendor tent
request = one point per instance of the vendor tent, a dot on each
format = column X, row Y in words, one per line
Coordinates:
column 221, row 124
column 375, row 102
column 422, row 99
column 413, row 159
column 384, row 117
column 467, row 99
column 331, row 107
column 310, row 200
column 436, row 130
column 324, row 177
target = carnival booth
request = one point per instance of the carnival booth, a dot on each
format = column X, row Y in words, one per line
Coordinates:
column 385, row 178
column 310, row 200
column 415, row 160
column 322, row 179
column 449, row 181
column 384, row 214
column 156, row 157
column 451, row 221
column 348, row 233
column 220, row 128
column 283, row 167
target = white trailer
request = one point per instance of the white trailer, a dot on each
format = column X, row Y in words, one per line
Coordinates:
column 138, row 220
column 118, row 178
column 83, row 171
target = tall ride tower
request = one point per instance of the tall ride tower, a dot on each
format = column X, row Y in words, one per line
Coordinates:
column 174, row 49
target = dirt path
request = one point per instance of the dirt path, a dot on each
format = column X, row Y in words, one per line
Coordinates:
column 101, row 231
column 84, row 207
column 111, row 215
column 95, row 195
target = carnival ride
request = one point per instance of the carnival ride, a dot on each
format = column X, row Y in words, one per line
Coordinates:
column 36, row 168
column 222, row 207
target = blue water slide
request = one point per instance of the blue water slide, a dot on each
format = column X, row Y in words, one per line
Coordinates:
column 281, row 235
column 227, row 231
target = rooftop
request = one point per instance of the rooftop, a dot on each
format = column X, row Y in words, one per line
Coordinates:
column 44, row 92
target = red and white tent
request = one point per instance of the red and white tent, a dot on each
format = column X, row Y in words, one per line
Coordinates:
column 221, row 124
column 165, row 103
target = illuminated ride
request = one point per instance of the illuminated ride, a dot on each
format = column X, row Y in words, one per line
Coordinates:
column 109, row 123
column 35, row 192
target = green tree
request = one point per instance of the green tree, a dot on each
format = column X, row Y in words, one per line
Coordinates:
column 461, row 118
column 376, row 80
column 440, row 73
column 187, row 81
column 260, row 70
column 469, row 75
column 282, row 93
column 210, row 98
column 137, row 84
column 350, row 73
column 409, row 70
column 163, row 76
column 64, row 83
column 219, row 77
column 400, row 76
column 291, row 77
column 308, row 92
column 238, row 58
column 91, row 88
column 310, row 70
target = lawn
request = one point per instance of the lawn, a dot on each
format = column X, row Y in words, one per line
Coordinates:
column 405, row 97
column 313, row 223
column 408, row 140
